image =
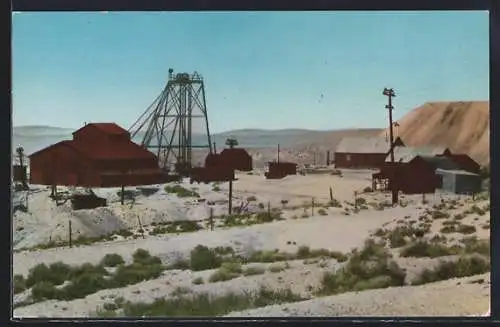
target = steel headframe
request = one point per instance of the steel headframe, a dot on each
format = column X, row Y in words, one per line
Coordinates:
column 167, row 122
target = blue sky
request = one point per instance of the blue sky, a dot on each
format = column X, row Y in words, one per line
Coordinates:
column 314, row 70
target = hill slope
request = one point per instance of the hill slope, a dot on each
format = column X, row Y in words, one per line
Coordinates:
column 461, row 126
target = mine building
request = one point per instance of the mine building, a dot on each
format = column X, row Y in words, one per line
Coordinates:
column 280, row 169
column 235, row 158
column 363, row 152
column 459, row 181
column 99, row 155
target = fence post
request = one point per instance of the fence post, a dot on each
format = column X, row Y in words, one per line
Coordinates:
column 211, row 219
column 269, row 209
column 331, row 194
column 140, row 226
column 356, row 200
column 312, row 206
column 70, row 239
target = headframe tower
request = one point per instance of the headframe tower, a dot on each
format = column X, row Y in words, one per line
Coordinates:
column 168, row 125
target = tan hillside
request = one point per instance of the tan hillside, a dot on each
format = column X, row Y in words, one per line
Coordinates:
column 461, row 126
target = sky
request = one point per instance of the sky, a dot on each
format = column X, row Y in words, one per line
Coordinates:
column 270, row 70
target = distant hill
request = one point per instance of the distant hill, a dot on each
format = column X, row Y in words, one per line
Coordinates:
column 461, row 126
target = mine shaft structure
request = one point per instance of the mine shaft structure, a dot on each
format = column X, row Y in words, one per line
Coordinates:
column 166, row 127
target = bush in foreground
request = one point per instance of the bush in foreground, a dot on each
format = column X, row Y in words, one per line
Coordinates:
column 463, row 267
column 204, row 305
column 368, row 268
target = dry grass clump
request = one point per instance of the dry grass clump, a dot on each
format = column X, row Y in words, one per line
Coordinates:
column 463, row 267
column 87, row 279
column 369, row 268
column 421, row 249
column 227, row 271
column 180, row 226
column 205, row 305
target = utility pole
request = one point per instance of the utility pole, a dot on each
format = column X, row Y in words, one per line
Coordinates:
column 390, row 94
column 231, row 142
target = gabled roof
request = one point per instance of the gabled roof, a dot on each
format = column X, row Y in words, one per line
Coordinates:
column 128, row 150
column 406, row 154
column 67, row 143
column 438, row 162
column 367, row 145
column 108, row 128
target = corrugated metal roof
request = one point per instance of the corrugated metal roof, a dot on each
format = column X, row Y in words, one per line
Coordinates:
column 455, row 172
column 363, row 145
column 406, row 154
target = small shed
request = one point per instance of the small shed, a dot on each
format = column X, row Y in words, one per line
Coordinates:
column 459, row 181
column 238, row 158
column 278, row 170
column 464, row 162
column 363, row 152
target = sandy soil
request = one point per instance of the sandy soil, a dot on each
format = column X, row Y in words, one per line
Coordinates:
column 335, row 231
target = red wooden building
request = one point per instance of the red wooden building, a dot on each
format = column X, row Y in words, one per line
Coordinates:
column 362, row 152
column 236, row 158
column 100, row 155
column 278, row 170
column 417, row 176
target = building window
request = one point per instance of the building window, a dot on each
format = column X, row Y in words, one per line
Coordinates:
column 348, row 157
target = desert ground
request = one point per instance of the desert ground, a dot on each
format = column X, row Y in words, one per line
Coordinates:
column 300, row 246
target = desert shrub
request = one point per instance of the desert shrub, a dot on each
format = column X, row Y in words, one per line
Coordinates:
column 269, row 256
column 367, row 189
column 303, row 252
column 322, row 212
column 261, row 205
column 422, row 249
column 251, row 198
column 437, row 214
column 360, row 201
column 205, row 305
column 180, row 290
column 380, row 232
column 203, row 258
column 474, row 245
column 459, row 216
column 198, row 281
column 396, row 237
column 19, row 284
column 335, row 203
column 466, row 229
column 463, row 267
column 367, row 268
column 54, row 274
column 216, row 188
column 83, row 285
column 136, row 273
column 124, row 233
column 181, row 191
column 477, row 210
column 112, row 260
column 253, row 270
column 44, row 290
column 276, row 268
column 227, row 271
column 142, row 256
column 448, row 229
